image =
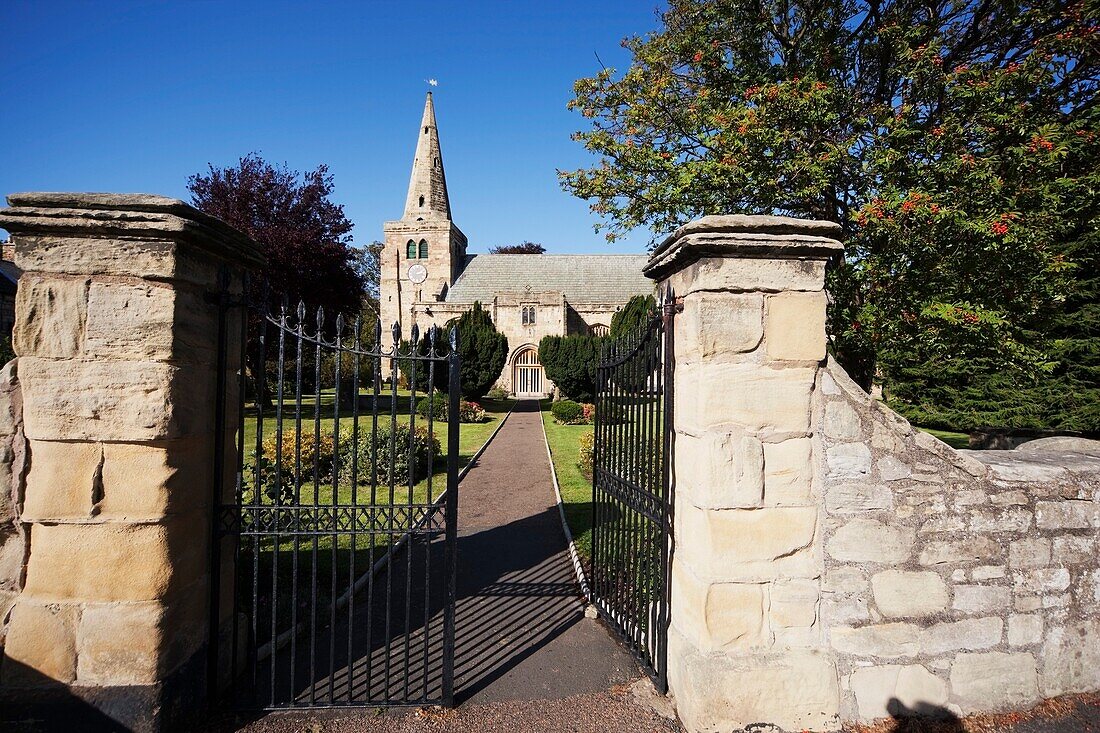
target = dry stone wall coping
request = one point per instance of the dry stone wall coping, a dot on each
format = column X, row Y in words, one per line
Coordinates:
column 968, row 580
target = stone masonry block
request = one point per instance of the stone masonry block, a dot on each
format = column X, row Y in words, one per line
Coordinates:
column 971, row 633
column 119, row 644
column 1071, row 658
column 792, row 689
column 868, row 540
column 1069, row 514
column 149, row 321
column 982, row 598
column 114, row 400
column 41, row 643
column 795, row 326
column 64, row 480
column 976, row 549
column 718, row 616
column 895, row 690
column 1024, row 630
column 788, row 472
column 51, row 314
column 991, row 681
column 842, row 422
column 719, row 470
column 151, row 480
column 119, row 562
column 848, row 461
column 909, row 594
column 740, row 275
column 1032, row 552
column 885, row 640
column 793, row 603
column 755, row 398
column 748, row 544
column 719, row 326
column 859, row 496
column 147, row 258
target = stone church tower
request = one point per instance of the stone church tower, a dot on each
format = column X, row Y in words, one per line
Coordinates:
column 424, row 251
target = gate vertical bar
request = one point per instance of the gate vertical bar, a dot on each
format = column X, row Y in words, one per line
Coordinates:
column 450, row 549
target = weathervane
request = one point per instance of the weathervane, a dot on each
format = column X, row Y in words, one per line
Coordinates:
column 431, row 82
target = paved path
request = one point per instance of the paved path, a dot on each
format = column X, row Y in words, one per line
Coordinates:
column 521, row 632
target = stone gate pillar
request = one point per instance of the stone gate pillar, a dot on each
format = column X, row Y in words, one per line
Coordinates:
column 745, row 645
column 116, row 335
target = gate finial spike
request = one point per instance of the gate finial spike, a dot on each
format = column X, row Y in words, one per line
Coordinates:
column 414, row 336
column 433, row 334
column 301, row 311
column 320, row 318
column 453, row 338
column 395, row 331
column 339, row 325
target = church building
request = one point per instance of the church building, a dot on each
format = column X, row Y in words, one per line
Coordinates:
column 427, row 277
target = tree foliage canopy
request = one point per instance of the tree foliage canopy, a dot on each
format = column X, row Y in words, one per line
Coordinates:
column 627, row 320
column 303, row 233
column 956, row 141
column 482, row 352
column 570, row 363
column 523, row 248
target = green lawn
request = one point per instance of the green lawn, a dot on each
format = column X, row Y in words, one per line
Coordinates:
column 576, row 488
column 955, row 440
column 315, row 564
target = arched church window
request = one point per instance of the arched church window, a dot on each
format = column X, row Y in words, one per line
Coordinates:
column 527, row 315
column 421, row 201
column 423, row 249
column 410, row 250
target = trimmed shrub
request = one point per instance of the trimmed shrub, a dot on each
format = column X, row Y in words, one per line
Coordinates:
column 567, row 412
column 483, row 351
column 278, row 459
column 497, row 393
column 570, row 363
column 392, row 460
column 628, row 319
column 436, row 404
column 587, row 456
column 470, row 412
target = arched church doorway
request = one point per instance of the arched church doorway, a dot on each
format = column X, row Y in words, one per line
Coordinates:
column 527, row 376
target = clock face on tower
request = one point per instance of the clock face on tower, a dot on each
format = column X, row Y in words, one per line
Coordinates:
column 417, row 274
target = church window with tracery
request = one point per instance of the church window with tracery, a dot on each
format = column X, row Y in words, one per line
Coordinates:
column 527, row 314
column 423, row 249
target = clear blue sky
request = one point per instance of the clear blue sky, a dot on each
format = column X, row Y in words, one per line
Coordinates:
column 135, row 96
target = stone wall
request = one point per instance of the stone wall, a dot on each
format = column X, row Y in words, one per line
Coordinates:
column 831, row 563
column 116, row 332
column 956, row 581
column 14, row 540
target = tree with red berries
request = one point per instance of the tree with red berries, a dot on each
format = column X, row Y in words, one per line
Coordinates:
column 955, row 141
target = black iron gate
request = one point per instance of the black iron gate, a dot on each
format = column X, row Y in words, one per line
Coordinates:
column 336, row 549
column 631, row 498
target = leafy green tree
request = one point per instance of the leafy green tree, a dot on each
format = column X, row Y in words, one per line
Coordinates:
column 627, row 320
column 523, row 248
column 570, row 363
column 481, row 348
column 955, row 142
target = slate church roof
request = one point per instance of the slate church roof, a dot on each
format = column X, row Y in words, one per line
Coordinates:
column 582, row 278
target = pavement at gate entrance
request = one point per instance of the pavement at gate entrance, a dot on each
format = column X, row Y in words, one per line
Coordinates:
column 526, row 658
column 521, row 631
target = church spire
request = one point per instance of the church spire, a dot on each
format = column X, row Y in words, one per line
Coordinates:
column 428, row 186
